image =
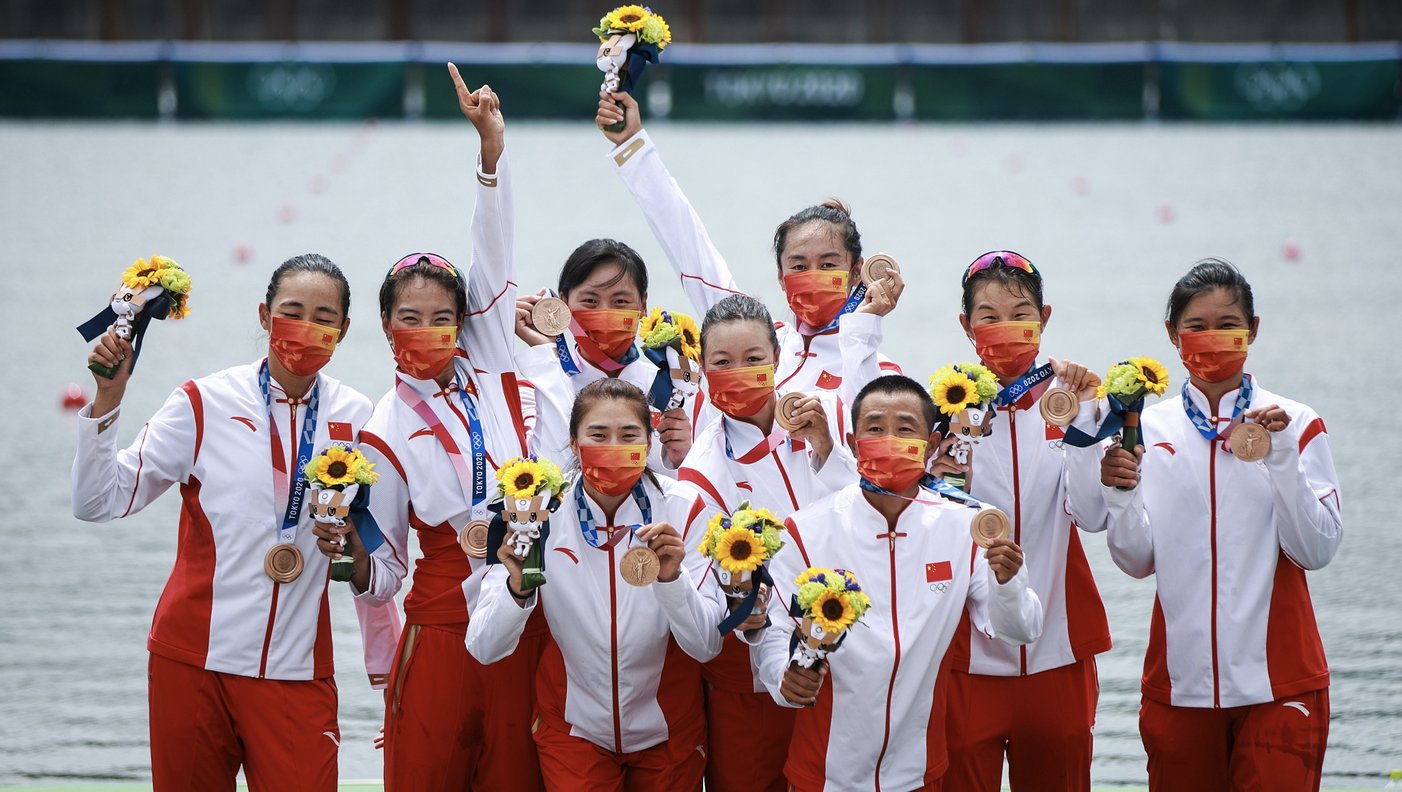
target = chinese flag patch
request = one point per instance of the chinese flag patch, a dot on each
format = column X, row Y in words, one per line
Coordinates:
column 635, row 457
column 828, row 381
column 340, row 431
column 938, row 572
column 1055, row 432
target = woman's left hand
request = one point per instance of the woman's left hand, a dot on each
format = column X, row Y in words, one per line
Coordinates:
column 882, row 296
column 335, row 541
column 667, row 544
column 1273, row 418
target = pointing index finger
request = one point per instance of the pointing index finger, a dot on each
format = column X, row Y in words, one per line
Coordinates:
column 458, row 81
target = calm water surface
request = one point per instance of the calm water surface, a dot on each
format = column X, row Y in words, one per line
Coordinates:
column 1113, row 215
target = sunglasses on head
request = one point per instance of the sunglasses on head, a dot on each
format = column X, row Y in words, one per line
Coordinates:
column 1000, row 258
column 425, row 258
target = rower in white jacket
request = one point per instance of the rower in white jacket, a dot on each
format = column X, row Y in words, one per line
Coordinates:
column 874, row 718
column 833, row 341
column 620, row 701
column 1235, row 680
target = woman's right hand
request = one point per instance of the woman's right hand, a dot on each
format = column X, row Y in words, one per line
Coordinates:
column 609, row 114
column 1120, row 468
column 525, row 326
column 514, row 567
column 115, row 353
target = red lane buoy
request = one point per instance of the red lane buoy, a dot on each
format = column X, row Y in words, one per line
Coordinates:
column 286, row 213
column 339, row 163
column 317, row 184
column 1291, row 250
column 1080, row 185
column 1167, row 213
column 74, row 397
column 1015, row 163
column 242, row 253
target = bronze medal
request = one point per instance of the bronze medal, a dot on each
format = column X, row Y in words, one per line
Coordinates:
column 989, row 524
column 551, row 316
column 783, row 412
column 1250, row 442
column 639, row 566
column 473, row 539
column 283, row 563
column 1059, row 406
column 876, row 266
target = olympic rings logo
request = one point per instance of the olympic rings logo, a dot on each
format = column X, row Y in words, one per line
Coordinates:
column 291, row 87
column 1277, row 87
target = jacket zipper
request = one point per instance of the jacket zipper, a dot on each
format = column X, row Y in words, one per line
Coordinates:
column 277, row 587
column 1212, row 487
column 613, row 651
column 895, row 666
column 1017, row 516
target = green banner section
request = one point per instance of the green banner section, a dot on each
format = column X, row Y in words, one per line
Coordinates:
column 1028, row 91
column 289, row 90
column 1293, row 90
column 527, row 90
column 781, row 92
column 41, row 88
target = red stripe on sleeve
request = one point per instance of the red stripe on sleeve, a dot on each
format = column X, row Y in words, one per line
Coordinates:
column 192, row 391
column 694, row 476
column 797, row 540
column 374, row 441
column 1315, row 428
column 512, row 391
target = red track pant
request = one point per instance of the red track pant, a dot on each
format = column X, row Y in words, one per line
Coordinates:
column 452, row 723
column 1276, row 746
column 573, row 764
column 1042, row 721
column 205, row 724
column 748, row 733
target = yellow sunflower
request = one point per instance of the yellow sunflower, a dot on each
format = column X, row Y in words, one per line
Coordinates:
column 650, row 322
column 630, row 18
column 141, row 274
column 713, row 530
column 832, row 612
column 1152, row 374
column 954, row 392
column 521, row 478
column 691, row 335
column 740, row 550
column 335, row 467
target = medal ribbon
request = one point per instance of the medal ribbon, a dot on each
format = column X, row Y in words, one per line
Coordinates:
column 474, row 482
column 928, row 482
column 586, row 521
column 1113, row 423
column 1027, row 389
column 287, row 532
column 1208, row 427
column 853, row 300
column 589, row 350
column 763, row 448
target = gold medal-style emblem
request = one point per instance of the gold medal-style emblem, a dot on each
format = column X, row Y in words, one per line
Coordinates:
column 1059, row 406
column 876, row 266
column 473, row 539
column 283, row 563
column 551, row 316
column 783, row 412
column 639, row 566
column 989, row 524
column 1250, row 442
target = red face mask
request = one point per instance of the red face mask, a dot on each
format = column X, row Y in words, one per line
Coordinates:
column 302, row 348
column 1008, row 348
column 611, row 330
column 1213, row 355
column 423, row 352
column 612, row 469
column 891, row 463
column 740, row 392
column 816, row 295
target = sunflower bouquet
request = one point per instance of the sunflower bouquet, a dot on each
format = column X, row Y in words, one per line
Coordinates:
column 672, row 341
column 739, row 546
column 336, row 476
column 155, row 288
column 1126, row 385
column 630, row 37
column 530, row 488
column 828, row 603
column 964, row 393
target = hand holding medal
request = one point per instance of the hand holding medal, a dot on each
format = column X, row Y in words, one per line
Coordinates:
column 336, row 476
column 740, row 546
column 884, row 284
column 964, row 393
column 1250, row 441
column 154, row 289
column 530, row 489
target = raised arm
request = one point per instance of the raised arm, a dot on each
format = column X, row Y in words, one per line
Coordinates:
column 705, row 276
column 491, row 276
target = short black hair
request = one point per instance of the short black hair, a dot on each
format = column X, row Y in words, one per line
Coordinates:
column 738, row 308
column 1206, row 275
column 898, row 384
column 1014, row 279
column 832, row 211
column 310, row 262
column 423, row 270
column 588, row 256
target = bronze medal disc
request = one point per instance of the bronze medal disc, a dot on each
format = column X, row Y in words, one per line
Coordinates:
column 551, row 316
column 1059, row 406
column 639, row 566
column 989, row 524
column 473, row 539
column 876, row 267
column 783, row 412
column 1250, row 442
column 283, row 563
